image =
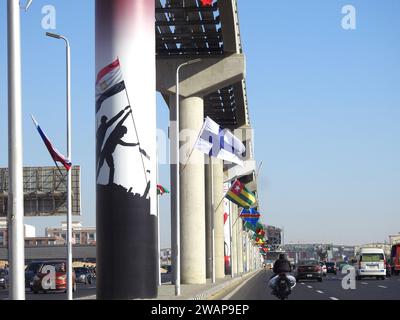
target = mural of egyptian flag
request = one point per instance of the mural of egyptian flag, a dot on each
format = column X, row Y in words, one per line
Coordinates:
column 125, row 150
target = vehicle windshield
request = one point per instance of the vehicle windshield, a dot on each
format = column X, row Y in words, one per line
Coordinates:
column 330, row 264
column 34, row 266
column 80, row 270
column 59, row 266
column 308, row 263
column 372, row 257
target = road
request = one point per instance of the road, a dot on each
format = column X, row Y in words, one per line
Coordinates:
column 82, row 291
column 329, row 289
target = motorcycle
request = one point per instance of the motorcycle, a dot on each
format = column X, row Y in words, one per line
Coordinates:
column 282, row 289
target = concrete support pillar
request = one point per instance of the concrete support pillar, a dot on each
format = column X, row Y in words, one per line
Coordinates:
column 126, row 206
column 239, row 233
column 173, row 161
column 234, row 249
column 192, row 197
column 218, row 180
column 208, row 198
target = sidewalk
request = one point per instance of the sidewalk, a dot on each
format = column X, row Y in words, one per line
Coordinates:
column 203, row 291
column 206, row 291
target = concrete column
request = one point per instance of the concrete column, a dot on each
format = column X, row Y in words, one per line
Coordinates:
column 208, row 197
column 218, row 177
column 172, row 124
column 126, row 206
column 192, row 197
column 240, row 246
column 234, row 249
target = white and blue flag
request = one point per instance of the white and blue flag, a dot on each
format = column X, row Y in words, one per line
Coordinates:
column 220, row 143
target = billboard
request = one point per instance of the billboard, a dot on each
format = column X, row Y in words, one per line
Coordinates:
column 45, row 191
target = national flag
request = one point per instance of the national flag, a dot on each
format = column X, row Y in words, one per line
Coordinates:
column 109, row 82
column 206, row 2
column 161, row 190
column 254, row 228
column 55, row 154
column 219, row 143
column 240, row 195
column 250, row 215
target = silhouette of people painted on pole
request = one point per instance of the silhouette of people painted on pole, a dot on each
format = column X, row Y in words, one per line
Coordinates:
column 102, row 130
column 111, row 144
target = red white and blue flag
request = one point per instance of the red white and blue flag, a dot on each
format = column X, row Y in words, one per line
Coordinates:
column 55, row 154
column 109, row 82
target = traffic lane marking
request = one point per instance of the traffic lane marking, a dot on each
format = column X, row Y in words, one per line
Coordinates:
column 333, row 298
column 384, row 287
column 319, row 291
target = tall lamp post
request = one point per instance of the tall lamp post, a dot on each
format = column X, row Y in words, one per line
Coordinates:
column 15, row 164
column 177, row 187
column 69, row 156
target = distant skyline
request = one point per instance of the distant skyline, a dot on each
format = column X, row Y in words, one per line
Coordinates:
column 324, row 103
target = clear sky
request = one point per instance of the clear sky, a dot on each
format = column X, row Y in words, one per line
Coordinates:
column 324, row 103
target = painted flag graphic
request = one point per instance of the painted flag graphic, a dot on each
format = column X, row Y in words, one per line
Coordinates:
column 55, row 154
column 240, row 195
column 161, row 190
column 109, row 82
column 250, row 215
column 206, row 2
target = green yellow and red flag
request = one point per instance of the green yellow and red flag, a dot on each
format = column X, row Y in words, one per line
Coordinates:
column 240, row 195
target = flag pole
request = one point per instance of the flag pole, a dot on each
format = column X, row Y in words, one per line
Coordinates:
column 137, row 135
column 191, row 152
column 230, row 240
column 158, row 230
column 212, row 218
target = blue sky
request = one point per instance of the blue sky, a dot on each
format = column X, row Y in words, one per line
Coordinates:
column 324, row 103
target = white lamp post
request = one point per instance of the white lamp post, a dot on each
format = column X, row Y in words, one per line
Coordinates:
column 69, row 156
column 177, row 174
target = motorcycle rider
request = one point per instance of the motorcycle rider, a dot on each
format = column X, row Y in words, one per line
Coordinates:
column 282, row 265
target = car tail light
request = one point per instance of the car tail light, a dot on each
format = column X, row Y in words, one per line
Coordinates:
column 318, row 268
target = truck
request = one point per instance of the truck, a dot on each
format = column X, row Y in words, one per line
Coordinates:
column 395, row 257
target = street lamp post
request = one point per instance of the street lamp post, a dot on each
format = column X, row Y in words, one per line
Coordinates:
column 15, row 164
column 177, row 187
column 69, row 156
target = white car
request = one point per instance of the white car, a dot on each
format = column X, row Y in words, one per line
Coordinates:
column 371, row 263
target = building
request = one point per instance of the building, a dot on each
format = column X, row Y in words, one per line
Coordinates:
column 165, row 256
column 29, row 232
column 394, row 239
column 80, row 235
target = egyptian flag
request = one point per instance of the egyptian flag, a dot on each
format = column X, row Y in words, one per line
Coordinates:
column 161, row 190
column 55, row 154
column 250, row 215
column 109, row 82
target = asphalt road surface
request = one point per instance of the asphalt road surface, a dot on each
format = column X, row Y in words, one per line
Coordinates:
column 329, row 289
column 82, row 291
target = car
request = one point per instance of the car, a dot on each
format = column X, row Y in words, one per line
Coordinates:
column 60, row 277
column 83, row 275
column 309, row 269
column 331, row 267
column 3, row 278
column 371, row 263
column 340, row 265
column 30, row 271
column 324, row 269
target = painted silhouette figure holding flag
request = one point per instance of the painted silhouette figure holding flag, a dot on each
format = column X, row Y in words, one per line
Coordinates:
column 111, row 144
column 102, row 130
